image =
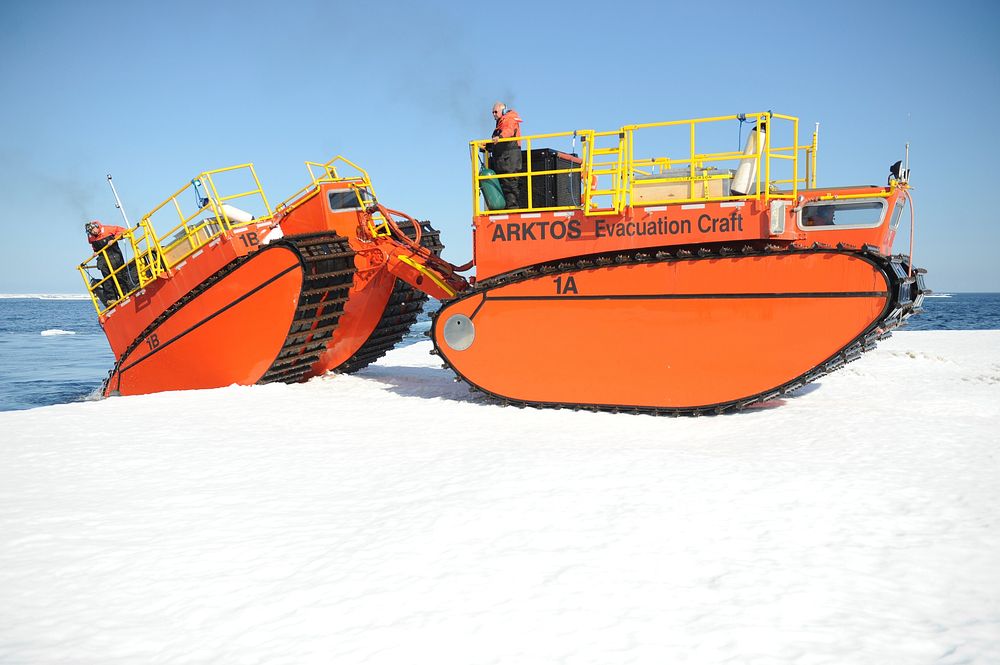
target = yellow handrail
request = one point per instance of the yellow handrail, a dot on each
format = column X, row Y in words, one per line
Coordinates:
column 478, row 146
column 613, row 177
column 154, row 254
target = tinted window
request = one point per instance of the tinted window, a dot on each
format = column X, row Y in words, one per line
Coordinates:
column 848, row 213
column 344, row 199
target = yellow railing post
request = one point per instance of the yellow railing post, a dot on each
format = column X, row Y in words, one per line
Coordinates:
column 527, row 145
column 795, row 159
column 760, row 156
column 691, row 163
column 586, row 168
column 155, row 260
column 767, row 167
column 630, row 161
column 474, row 157
column 624, row 171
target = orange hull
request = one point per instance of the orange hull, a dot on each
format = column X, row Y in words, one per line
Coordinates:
column 324, row 298
column 672, row 335
column 220, row 336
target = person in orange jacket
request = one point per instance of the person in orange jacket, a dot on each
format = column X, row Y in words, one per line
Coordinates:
column 505, row 156
column 105, row 237
column 99, row 235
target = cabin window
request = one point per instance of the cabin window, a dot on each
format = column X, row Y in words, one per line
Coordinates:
column 344, row 199
column 841, row 214
column 350, row 199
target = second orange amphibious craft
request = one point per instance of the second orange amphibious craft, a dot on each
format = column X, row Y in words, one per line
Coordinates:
column 646, row 269
column 225, row 297
column 660, row 272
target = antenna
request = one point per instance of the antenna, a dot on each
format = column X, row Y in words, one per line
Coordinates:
column 118, row 202
column 906, row 156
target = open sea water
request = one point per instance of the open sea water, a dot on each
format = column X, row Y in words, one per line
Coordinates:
column 52, row 350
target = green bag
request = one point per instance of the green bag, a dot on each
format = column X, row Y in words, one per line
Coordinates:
column 491, row 190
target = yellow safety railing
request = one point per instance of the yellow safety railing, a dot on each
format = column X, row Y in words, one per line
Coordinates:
column 527, row 168
column 116, row 281
column 148, row 255
column 614, row 177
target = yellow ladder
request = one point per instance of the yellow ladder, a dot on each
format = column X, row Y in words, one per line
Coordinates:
column 605, row 181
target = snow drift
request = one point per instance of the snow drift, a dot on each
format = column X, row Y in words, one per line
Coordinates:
column 393, row 517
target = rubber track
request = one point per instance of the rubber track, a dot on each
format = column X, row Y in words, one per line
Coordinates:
column 906, row 296
column 405, row 303
column 329, row 270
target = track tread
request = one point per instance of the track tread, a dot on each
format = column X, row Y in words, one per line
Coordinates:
column 328, row 264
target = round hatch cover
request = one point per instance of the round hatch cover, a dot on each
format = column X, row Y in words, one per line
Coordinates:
column 459, row 333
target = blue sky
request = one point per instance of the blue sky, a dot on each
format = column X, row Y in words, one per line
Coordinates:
column 155, row 93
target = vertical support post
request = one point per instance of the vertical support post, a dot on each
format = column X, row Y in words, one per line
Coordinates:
column 795, row 160
column 766, row 182
column 815, row 148
column 629, row 168
column 623, row 170
column 691, row 164
column 527, row 168
column 473, row 157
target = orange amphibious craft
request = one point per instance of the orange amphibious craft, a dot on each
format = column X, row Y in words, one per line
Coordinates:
column 697, row 282
column 228, row 297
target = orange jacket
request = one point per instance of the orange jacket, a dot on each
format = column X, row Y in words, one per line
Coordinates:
column 104, row 233
column 508, row 125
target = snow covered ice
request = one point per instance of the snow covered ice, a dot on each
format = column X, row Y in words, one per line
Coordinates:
column 393, row 517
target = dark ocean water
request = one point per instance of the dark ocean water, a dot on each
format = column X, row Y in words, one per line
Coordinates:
column 958, row 311
column 41, row 364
